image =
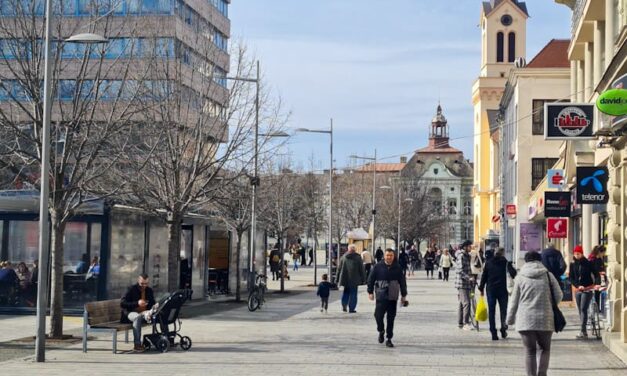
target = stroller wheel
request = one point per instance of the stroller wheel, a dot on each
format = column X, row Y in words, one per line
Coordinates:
column 163, row 344
column 186, row 343
column 147, row 345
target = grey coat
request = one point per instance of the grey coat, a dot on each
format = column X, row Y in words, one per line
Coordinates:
column 352, row 272
column 530, row 304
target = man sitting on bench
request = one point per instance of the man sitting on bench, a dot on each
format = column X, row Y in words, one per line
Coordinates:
column 138, row 298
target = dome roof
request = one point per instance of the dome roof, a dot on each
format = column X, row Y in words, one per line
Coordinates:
column 439, row 117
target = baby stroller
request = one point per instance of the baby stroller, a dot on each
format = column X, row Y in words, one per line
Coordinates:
column 163, row 336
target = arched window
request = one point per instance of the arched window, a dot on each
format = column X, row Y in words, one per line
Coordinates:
column 499, row 47
column 511, row 47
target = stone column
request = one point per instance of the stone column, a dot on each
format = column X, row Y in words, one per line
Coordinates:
column 587, row 72
column 610, row 10
column 598, row 47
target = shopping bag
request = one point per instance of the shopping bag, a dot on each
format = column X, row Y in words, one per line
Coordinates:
column 482, row 310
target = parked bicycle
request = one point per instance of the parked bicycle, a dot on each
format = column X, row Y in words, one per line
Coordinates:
column 256, row 297
column 594, row 313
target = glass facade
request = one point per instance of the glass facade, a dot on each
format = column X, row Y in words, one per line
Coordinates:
column 157, row 263
column 127, row 253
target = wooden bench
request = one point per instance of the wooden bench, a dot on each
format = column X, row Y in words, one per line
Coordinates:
column 104, row 316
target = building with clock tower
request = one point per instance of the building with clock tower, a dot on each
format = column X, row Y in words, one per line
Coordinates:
column 503, row 39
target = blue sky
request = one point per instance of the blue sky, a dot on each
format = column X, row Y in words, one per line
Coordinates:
column 377, row 67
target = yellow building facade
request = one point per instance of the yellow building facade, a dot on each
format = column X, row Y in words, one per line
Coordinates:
column 503, row 39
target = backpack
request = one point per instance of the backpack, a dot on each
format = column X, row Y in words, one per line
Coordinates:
column 276, row 259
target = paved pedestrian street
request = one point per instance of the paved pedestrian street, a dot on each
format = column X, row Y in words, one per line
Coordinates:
column 290, row 336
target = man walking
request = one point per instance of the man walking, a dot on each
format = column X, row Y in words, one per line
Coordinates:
column 387, row 282
column 351, row 274
column 378, row 254
column 138, row 298
column 553, row 260
column 495, row 278
column 464, row 283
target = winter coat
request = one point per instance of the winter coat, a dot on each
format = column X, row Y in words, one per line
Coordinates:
column 403, row 260
column 351, row 271
column 494, row 275
column 599, row 267
column 387, row 280
column 530, row 305
column 582, row 273
column 378, row 255
column 462, row 272
column 446, row 261
column 130, row 300
column 429, row 260
column 553, row 260
column 324, row 289
column 366, row 257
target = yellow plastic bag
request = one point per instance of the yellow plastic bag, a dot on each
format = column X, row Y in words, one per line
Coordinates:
column 482, row 310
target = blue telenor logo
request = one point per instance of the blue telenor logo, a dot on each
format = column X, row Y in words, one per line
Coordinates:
column 595, row 181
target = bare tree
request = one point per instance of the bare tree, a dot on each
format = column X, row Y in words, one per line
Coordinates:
column 94, row 106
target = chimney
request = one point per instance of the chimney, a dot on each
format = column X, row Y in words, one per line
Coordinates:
column 403, row 159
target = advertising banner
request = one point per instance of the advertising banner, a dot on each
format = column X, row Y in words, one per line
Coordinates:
column 555, row 178
column 557, row 228
column 530, row 237
column 556, row 204
column 592, row 185
column 568, row 121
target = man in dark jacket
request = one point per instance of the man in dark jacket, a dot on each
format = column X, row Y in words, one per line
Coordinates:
column 553, row 260
column 138, row 298
column 387, row 281
column 378, row 255
column 351, row 274
column 582, row 276
column 495, row 277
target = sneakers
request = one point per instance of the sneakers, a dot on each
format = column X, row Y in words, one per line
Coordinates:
column 389, row 343
column 381, row 337
column 582, row 335
column 467, row 327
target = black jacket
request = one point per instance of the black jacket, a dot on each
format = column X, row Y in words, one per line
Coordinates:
column 553, row 260
column 324, row 289
column 130, row 299
column 582, row 273
column 494, row 275
column 378, row 255
column 384, row 272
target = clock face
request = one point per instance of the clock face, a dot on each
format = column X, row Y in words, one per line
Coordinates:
column 506, row 20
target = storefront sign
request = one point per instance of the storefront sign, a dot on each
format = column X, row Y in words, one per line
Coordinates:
column 557, row 228
column 613, row 102
column 510, row 209
column 568, row 121
column 530, row 237
column 592, row 185
column 555, row 179
column 556, row 204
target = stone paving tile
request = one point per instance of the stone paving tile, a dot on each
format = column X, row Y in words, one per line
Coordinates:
column 291, row 337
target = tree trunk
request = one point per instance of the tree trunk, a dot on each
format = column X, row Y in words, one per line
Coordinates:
column 56, row 284
column 238, row 269
column 174, row 221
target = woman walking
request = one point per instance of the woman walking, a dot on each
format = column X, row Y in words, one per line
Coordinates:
column 582, row 276
column 429, row 259
column 445, row 262
column 531, row 310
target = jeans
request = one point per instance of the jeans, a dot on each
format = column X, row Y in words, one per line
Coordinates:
column 383, row 307
column 324, row 302
column 583, row 298
column 137, row 320
column 493, row 298
column 349, row 298
column 445, row 273
column 295, row 265
column 463, row 310
column 535, row 341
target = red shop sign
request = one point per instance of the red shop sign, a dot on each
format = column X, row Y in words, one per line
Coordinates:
column 557, row 228
column 510, row 209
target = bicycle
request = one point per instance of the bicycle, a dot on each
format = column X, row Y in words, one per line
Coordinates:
column 594, row 316
column 256, row 297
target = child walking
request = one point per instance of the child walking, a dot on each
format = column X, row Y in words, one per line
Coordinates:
column 324, row 289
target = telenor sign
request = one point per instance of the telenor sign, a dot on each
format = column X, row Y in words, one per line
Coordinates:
column 613, row 102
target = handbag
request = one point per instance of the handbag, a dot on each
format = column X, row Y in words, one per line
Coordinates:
column 509, row 279
column 558, row 316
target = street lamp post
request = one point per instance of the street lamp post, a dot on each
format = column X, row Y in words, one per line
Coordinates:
column 408, row 199
column 330, row 246
column 44, row 226
column 374, row 193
